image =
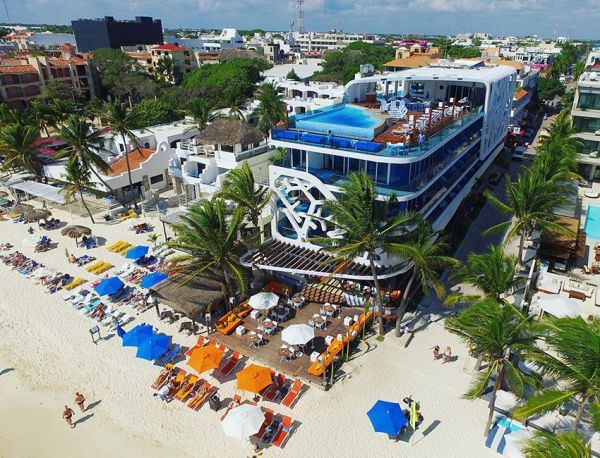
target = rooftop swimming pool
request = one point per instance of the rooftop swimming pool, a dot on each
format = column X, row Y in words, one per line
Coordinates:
column 347, row 120
column 592, row 222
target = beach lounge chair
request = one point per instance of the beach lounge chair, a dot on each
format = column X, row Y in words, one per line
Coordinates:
column 233, row 361
column 199, row 399
column 125, row 249
column 103, row 268
column 125, row 319
column 195, row 390
column 162, row 379
column 273, row 390
column 291, row 397
column 74, row 284
column 269, row 414
column 236, row 398
column 186, row 388
column 127, row 215
column 199, row 343
column 94, row 266
column 171, row 355
column 283, row 433
column 117, row 246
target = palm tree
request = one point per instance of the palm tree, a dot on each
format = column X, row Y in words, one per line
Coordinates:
column 424, row 250
column 530, row 201
column 122, row 123
column 84, row 144
column 492, row 274
column 366, row 226
column 78, row 180
column 562, row 445
column 236, row 107
column 578, row 70
column 202, row 111
column 7, row 114
column 575, row 361
column 61, row 109
column 209, row 237
column 240, row 187
column 41, row 115
column 272, row 108
column 18, row 145
column 168, row 70
column 556, row 159
column 494, row 331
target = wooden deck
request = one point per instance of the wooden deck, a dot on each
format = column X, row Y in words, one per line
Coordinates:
column 268, row 354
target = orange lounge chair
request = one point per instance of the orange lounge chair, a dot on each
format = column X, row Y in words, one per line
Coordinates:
column 284, row 431
column 179, row 378
column 199, row 399
column 273, row 390
column 199, row 343
column 185, row 391
column 237, row 399
column 235, row 358
column 268, row 419
column 195, row 391
column 158, row 383
column 291, row 397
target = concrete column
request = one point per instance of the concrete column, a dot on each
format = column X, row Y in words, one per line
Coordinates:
column 592, row 172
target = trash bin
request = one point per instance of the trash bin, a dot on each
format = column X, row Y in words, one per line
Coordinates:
column 214, row 402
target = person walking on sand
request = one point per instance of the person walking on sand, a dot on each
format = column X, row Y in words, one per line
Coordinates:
column 68, row 416
column 436, row 352
column 447, row 355
column 80, row 401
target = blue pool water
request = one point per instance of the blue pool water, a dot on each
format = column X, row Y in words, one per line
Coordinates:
column 348, row 120
column 592, row 222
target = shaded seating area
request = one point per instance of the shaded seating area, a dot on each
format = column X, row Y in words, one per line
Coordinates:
column 563, row 248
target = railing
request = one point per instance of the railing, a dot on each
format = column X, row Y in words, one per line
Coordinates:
column 370, row 147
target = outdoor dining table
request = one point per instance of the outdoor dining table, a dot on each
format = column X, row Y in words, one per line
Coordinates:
column 281, row 313
column 329, row 308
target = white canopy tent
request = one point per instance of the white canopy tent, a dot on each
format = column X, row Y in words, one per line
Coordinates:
column 41, row 190
column 559, row 306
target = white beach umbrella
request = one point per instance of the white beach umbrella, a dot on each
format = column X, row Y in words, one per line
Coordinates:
column 243, row 421
column 298, row 334
column 559, row 307
column 263, row 301
column 514, row 443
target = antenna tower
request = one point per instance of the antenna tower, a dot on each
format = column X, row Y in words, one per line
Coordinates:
column 300, row 24
column 6, row 10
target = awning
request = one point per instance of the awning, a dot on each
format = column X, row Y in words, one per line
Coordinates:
column 173, row 218
column 41, row 190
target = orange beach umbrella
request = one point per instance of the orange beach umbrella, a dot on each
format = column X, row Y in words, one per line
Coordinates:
column 254, row 378
column 205, row 358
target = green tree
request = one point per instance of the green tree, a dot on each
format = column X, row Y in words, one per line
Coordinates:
column 271, row 108
column 561, row 445
column 578, row 70
column 61, row 110
column 494, row 331
column 236, row 106
column 549, row 87
column 574, row 359
column 168, row 70
column 366, row 227
column 292, row 75
column 56, row 90
column 18, row 143
column 202, row 111
column 84, row 146
column 240, row 187
column 77, row 180
column 152, row 112
column 208, row 236
column 530, row 202
column 425, row 250
column 41, row 115
column 122, row 123
column 492, row 274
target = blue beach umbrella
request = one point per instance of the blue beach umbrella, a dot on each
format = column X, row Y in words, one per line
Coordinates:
column 137, row 252
column 152, row 279
column 153, row 346
column 137, row 335
column 387, row 417
column 109, row 286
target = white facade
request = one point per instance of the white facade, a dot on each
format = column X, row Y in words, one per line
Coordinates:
column 472, row 109
column 227, row 39
column 331, row 41
column 302, row 97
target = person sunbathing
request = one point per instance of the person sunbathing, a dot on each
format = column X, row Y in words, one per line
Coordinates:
column 72, row 259
column 173, row 386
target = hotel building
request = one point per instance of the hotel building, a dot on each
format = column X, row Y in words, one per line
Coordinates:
column 424, row 135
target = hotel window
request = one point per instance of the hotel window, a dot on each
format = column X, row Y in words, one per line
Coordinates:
column 586, row 124
column 589, row 101
column 156, row 179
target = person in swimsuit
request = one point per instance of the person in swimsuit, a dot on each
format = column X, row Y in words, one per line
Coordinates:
column 447, row 355
column 80, row 401
column 68, row 416
column 436, row 352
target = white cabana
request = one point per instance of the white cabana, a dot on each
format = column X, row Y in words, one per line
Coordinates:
column 558, row 306
column 41, row 190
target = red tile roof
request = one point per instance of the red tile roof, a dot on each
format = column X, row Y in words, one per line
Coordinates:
column 140, row 55
column 520, row 94
column 170, row 47
column 136, row 158
column 77, row 60
column 17, row 69
column 58, row 62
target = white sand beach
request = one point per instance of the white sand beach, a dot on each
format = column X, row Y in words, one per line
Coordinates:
column 47, row 344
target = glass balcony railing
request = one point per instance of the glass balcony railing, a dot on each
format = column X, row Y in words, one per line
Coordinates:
column 370, row 147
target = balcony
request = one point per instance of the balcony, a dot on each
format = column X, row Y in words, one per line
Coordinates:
column 334, row 142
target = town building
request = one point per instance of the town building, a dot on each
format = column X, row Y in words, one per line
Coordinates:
column 91, row 34
column 332, row 41
column 212, row 43
column 23, row 78
column 181, row 56
column 302, row 97
column 586, row 115
column 413, row 55
column 427, row 148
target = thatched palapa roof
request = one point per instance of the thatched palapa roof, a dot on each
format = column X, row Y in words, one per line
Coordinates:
column 224, row 131
column 191, row 298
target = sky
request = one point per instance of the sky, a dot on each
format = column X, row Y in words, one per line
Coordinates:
column 547, row 18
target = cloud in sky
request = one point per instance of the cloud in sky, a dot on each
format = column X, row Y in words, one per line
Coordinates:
column 578, row 18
